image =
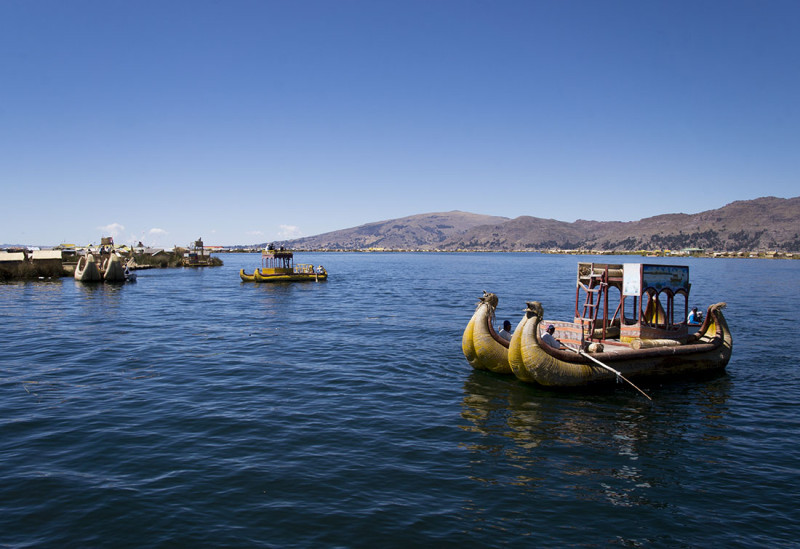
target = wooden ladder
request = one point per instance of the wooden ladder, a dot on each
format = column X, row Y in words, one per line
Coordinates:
column 594, row 291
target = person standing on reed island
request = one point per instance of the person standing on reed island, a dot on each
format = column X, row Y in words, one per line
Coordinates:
column 505, row 333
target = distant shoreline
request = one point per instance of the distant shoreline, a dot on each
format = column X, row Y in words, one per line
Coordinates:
column 641, row 253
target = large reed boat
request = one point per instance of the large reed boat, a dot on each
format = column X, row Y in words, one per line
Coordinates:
column 629, row 321
column 278, row 266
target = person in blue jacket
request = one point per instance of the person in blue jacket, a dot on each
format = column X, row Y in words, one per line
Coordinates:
column 695, row 318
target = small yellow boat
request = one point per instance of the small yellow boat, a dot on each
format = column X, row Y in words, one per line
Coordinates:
column 247, row 277
column 279, row 266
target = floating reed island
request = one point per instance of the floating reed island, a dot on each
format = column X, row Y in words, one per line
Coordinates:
column 65, row 260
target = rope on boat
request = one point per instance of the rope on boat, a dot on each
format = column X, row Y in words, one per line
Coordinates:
column 610, row 369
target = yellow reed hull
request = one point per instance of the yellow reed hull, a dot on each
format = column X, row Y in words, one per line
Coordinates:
column 481, row 345
column 294, row 277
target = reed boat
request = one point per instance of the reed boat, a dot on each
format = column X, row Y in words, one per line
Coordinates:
column 247, row 277
column 481, row 344
column 646, row 334
column 86, row 270
column 279, row 266
column 112, row 269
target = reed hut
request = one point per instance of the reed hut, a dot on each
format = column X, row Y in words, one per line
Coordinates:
column 10, row 263
column 47, row 260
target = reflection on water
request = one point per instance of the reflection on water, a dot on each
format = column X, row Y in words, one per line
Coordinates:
column 587, row 445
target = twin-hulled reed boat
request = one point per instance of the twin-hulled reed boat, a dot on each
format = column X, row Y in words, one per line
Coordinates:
column 629, row 320
column 278, row 266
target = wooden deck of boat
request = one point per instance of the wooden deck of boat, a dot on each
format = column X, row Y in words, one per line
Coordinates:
column 609, row 349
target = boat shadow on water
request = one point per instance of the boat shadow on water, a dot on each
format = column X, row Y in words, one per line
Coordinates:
column 587, row 443
column 483, row 382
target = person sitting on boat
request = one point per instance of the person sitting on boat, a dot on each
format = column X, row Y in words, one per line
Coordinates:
column 548, row 338
column 695, row 317
column 320, row 270
column 505, row 333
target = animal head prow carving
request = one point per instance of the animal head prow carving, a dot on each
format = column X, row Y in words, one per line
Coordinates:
column 490, row 299
column 534, row 309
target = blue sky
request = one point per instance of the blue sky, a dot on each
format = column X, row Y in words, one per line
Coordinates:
column 248, row 121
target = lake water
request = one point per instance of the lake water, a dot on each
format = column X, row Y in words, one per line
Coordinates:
column 190, row 409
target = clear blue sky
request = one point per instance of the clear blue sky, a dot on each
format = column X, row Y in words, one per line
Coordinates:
column 249, row 121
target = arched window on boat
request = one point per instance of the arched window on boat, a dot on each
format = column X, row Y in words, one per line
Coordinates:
column 629, row 308
column 660, row 308
column 681, row 305
column 614, row 294
column 612, row 325
column 653, row 312
column 651, row 308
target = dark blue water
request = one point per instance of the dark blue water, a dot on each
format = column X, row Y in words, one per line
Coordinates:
column 191, row 409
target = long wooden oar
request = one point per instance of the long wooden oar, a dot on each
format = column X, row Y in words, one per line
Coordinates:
column 610, row 369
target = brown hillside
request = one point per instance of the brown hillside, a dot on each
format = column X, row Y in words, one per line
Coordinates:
column 421, row 231
column 762, row 224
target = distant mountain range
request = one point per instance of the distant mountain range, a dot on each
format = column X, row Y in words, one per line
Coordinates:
column 749, row 225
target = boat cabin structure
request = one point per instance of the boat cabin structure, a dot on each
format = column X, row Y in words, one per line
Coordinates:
column 631, row 301
column 277, row 262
